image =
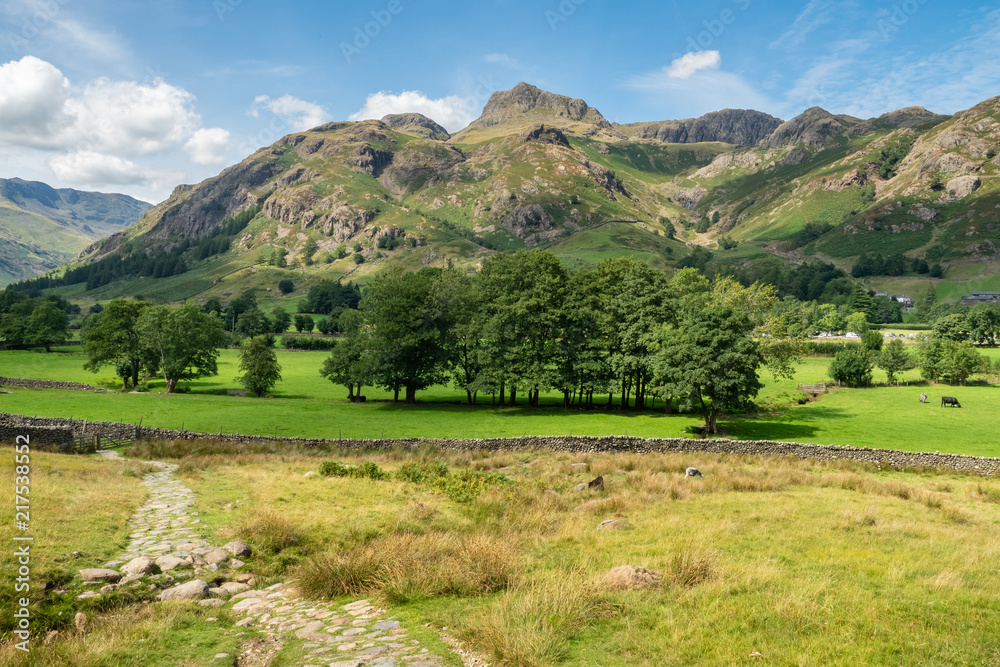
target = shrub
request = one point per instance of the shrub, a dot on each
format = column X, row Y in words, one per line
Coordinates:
column 286, row 286
column 852, row 366
column 419, row 473
column 307, row 343
column 332, row 469
column 369, row 470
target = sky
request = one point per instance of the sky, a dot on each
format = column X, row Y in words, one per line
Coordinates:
column 137, row 98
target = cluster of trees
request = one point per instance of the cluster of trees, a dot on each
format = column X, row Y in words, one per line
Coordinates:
column 38, row 321
column 893, row 265
column 176, row 342
column 939, row 358
column 522, row 326
column 810, row 281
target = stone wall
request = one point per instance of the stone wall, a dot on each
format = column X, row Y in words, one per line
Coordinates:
column 45, row 384
column 885, row 458
column 39, row 437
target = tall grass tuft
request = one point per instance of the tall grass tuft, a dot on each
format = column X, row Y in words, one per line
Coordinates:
column 691, row 566
column 266, row 530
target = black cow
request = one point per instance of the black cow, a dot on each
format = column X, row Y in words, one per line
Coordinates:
column 950, row 400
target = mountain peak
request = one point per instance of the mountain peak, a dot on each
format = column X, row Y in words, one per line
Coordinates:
column 741, row 127
column 525, row 98
column 416, row 124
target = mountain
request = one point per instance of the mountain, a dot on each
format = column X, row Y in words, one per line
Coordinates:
column 740, row 127
column 416, row 124
column 538, row 169
column 42, row 227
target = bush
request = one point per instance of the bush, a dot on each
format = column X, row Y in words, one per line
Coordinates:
column 419, row 473
column 286, row 286
column 852, row 366
column 368, row 470
column 358, row 258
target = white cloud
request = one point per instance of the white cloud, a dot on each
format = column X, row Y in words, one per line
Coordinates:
column 301, row 115
column 208, row 147
column 32, row 96
column 697, row 86
column 695, row 61
column 90, row 168
column 128, row 118
column 451, row 112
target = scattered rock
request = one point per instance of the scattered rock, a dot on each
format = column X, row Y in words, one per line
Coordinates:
column 245, row 603
column 550, row 492
column 219, row 592
column 631, row 578
column 612, row 524
column 233, row 587
column 80, row 621
column 191, row 590
column 211, row 602
column 100, row 574
column 239, row 549
column 88, row 595
column 110, row 588
column 217, row 556
column 138, row 566
column 167, row 563
column 235, row 563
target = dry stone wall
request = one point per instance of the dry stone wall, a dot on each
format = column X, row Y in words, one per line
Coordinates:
column 884, row 458
column 45, row 384
column 40, row 437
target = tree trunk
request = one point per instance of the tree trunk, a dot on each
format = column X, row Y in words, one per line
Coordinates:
column 611, row 398
column 395, row 394
column 350, row 391
column 171, row 385
column 468, row 397
column 411, row 394
column 502, row 388
column 513, row 394
column 567, row 399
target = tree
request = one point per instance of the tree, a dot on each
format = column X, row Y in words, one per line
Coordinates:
column 47, row 325
column 348, row 363
column 280, row 320
column 286, row 286
column 308, row 250
column 852, row 366
column 857, row 322
column 112, row 337
column 304, row 323
column 983, row 321
column 861, row 300
column 407, row 328
column 184, row 340
column 925, row 302
column 937, row 271
column 260, row 367
column 253, row 323
column 709, row 359
column 871, row 341
column 959, row 361
column 895, row 358
column 952, row 327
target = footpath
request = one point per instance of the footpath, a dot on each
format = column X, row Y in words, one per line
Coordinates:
column 168, row 552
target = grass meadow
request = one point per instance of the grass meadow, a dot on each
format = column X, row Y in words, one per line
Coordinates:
column 774, row 560
column 305, row 404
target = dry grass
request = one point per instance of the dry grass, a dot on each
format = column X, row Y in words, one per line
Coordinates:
column 265, row 530
column 406, row 567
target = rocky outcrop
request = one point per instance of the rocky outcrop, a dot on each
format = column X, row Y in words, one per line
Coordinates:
column 416, row 124
column 544, row 135
column 741, row 127
column 524, row 98
column 813, row 127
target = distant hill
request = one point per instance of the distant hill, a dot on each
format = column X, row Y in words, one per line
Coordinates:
column 42, row 227
column 539, row 169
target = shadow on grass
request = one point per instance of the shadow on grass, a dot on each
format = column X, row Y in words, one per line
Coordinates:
column 784, row 425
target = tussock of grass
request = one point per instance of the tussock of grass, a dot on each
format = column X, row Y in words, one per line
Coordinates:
column 266, row 530
column 692, row 566
column 407, row 567
column 532, row 625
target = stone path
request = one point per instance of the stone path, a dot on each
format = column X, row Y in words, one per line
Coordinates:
column 165, row 533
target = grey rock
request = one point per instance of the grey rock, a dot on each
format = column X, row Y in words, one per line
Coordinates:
column 140, row 566
column 742, row 127
column 167, row 563
column 211, row 602
column 217, row 556
column 191, row 590
column 239, row 549
column 100, row 574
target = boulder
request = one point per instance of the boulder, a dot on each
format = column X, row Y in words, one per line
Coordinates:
column 80, row 621
column 234, row 587
column 239, row 549
column 167, row 563
column 211, row 602
column 962, row 186
column 217, row 556
column 631, row 578
column 140, row 566
column 219, row 592
column 235, row 563
column 246, row 603
column 191, row 590
column 100, row 574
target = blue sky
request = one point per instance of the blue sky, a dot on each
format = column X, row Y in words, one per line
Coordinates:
column 138, row 97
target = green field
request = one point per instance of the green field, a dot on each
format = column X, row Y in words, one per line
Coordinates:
column 308, row 406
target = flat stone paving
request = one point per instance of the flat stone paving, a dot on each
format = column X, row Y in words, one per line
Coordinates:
column 351, row 635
